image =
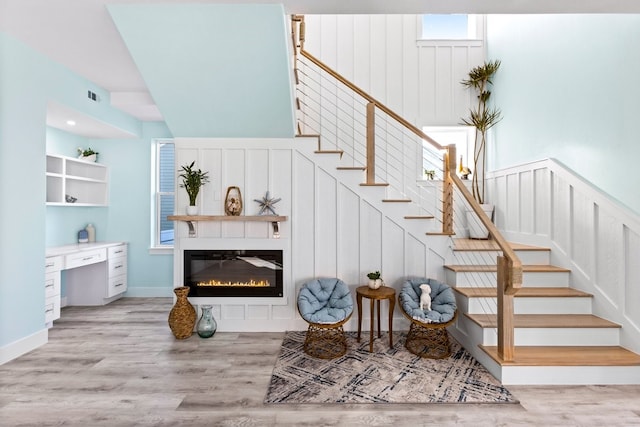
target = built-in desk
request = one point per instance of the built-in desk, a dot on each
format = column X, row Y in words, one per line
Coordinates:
column 95, row 274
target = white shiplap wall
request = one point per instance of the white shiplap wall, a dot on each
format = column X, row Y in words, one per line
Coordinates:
column 335, row 228
column 381, row 55
column 545, row 203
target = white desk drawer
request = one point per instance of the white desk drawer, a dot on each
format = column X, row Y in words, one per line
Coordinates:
column 51, row 284
column 52, row 263
column 85, row 258
column 117, row 251
column 52, row 309
column 117, row 267
column 117, row 285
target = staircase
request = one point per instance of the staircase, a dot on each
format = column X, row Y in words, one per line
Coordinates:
column 558, row 339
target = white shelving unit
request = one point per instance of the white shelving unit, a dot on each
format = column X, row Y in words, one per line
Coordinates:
column 86, row 181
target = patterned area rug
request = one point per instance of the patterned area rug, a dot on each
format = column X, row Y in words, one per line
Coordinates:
column 388, row 375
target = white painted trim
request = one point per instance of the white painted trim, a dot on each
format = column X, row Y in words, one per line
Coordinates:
column 23, row 345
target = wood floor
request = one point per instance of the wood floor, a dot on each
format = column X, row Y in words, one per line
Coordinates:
column 119, row 365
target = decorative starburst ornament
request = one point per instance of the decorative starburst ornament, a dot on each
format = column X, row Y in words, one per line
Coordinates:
column 266, row 204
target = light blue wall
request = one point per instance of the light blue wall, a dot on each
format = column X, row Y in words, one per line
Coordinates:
column 568, row 88
column 214, row 70
column 28, row 81
column 127, row 218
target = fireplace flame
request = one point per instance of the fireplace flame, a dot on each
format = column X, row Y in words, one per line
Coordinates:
column 249, row 284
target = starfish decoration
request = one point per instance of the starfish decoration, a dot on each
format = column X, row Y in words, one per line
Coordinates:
column 266, row 204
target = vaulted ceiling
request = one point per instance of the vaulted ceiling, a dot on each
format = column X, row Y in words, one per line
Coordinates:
column 85, row 37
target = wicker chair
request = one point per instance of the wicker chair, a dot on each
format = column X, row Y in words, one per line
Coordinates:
column 326, row 305
column 428, row 336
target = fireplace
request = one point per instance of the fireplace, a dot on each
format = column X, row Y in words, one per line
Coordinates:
column 233, row 273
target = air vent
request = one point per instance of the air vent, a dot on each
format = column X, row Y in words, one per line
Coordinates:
column 93, row 96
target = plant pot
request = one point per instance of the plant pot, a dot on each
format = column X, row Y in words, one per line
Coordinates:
column 90, row 158
column 477, row 230
column 192, row 210
column 375, row 283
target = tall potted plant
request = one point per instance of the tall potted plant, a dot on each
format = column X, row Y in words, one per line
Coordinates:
column 482, row 117
column 192, row 180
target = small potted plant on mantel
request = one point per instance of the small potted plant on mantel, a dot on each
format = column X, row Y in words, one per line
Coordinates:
column 192, row 180
column 374, row 279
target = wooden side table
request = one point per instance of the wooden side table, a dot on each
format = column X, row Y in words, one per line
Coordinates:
column 376, row 295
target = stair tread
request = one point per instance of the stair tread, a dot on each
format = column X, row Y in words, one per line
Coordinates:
column 419, row 217
column 462, row 245
column 524, row 292
column 567, row 356
column 329, row 152
column 396, row 200
column 545, row 321
column 531, row 268
column 374, row 184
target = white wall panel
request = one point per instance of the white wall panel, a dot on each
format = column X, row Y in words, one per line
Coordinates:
column 582, row 226
column 590, row 233
column 542, row 202
column 345, row 36
column 348, row 248
column 560, row 213
column 392, row 253
column 326, row 225
column 303, row 228
column 336, row 229
column 380, row 54
column 608, row 254
column 361, row 52
column 370, row 237
column 632, row 274
column 525, row 202
column 512, row 212
column 415, row 257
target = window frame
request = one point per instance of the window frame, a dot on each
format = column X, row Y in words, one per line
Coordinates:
column 478, row 40
column 156, row 195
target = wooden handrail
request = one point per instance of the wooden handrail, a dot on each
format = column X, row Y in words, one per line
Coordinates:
column 509, row 253
column 371, row 99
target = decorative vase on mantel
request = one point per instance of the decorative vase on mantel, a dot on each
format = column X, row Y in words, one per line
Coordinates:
column 233, row 201
column 182, row 317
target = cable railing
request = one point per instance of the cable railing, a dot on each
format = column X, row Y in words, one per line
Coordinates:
column 395, row 153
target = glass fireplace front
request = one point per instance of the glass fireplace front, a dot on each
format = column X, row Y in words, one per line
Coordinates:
column 233, row 273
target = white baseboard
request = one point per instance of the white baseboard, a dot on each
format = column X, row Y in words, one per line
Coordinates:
column 23, row 345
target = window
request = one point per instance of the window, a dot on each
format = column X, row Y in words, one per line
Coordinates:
column 450, row 27
column 461, row 136
column 164, row 194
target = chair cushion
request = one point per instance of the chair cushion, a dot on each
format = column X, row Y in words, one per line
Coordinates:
column 443, row 302
column 325, row 301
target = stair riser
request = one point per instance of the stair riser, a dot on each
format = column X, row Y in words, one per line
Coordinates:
column 557, row 336
column 543, row 305
column 570, row 375
column 489, row 257
column 534, row 279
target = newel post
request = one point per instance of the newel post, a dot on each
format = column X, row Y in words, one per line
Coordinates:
column 371, row 143
column 506, row 341
column 447, row 190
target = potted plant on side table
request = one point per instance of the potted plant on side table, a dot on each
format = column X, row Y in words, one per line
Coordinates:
column 482, row 117
column 192, row 180
column 374, row 279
